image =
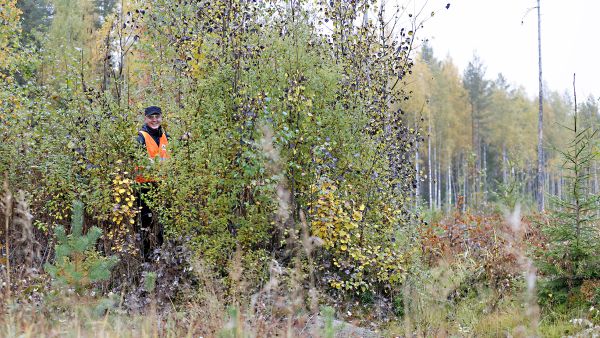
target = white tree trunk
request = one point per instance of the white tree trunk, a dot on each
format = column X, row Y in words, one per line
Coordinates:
column 595, row 177
column 439, row 186
column 430, row 177
column 418, row 178
column 465, row 186
column 504, row 166
column 485, row 173
column 449, row 186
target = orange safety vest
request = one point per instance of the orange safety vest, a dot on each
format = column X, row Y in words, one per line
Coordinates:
column 154, row 150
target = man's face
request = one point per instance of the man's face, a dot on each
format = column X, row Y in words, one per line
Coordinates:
column 153, row 121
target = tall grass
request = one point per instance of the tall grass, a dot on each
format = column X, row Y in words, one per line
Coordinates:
column 286, row 305
column 442, row 297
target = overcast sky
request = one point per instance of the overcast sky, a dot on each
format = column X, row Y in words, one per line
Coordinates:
column 493, row 29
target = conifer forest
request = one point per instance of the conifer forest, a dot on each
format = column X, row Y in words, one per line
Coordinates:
column 327, row 174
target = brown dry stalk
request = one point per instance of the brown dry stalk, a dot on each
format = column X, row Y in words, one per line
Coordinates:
column 7, row 206
column 309, row 243
column 28, row 247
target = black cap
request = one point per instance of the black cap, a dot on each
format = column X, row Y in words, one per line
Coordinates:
column 152, row 110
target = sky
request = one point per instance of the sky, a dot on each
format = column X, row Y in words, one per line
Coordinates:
column 493, row 30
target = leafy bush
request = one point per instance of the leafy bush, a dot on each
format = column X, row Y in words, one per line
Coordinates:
column 361, row 256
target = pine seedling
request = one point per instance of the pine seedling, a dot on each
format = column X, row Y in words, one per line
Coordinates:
column 77, row 264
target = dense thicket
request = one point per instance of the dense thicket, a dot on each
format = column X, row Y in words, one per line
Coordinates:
column 290, row 111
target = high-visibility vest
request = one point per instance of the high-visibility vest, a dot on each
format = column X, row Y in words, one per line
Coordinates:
column 154, row 150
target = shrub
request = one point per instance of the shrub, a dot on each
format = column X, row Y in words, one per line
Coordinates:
column 483, row 242
column 361, row 255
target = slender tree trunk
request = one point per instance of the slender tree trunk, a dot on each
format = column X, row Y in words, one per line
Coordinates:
column 435, row 178
column 455, row 182
column 418, row 178
column 547, row 180
column 589, row 183
column 513, row 174
column 466, row 186
column 560, row 184
column 525, row 178
column 429, row 165
column 105, row 69
column 504, row 165
column 595, row 177
column 476, row 174
column 531, row 184
column 540, row 150
column 595, row 185
column 439, row 186
column 473, row 144
column 485, row 173
column 449, row 186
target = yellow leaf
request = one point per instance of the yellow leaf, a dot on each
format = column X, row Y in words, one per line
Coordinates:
column 343, row 247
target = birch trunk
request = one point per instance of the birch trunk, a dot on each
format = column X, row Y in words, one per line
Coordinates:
column 449, row 186
column 418, row 178
column 595, row 177
column 435, row 178
column 484, row 178
column 465, row 187
column 429, row 166
column 504, row 166
column 540, row 149
column 439, row 186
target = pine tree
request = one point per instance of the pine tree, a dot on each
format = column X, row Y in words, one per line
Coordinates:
column 77, row 263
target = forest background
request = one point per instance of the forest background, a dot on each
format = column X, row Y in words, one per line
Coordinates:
column 332, row 167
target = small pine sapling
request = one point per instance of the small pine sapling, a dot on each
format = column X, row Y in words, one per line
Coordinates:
column 77, row 264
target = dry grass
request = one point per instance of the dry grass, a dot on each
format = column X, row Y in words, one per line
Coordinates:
column 273, row 311
column 455, row 296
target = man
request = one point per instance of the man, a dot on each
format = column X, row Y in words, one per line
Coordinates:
column 152, row 130
column 155, row 140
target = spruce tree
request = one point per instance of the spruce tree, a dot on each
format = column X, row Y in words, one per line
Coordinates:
column 573, row 238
